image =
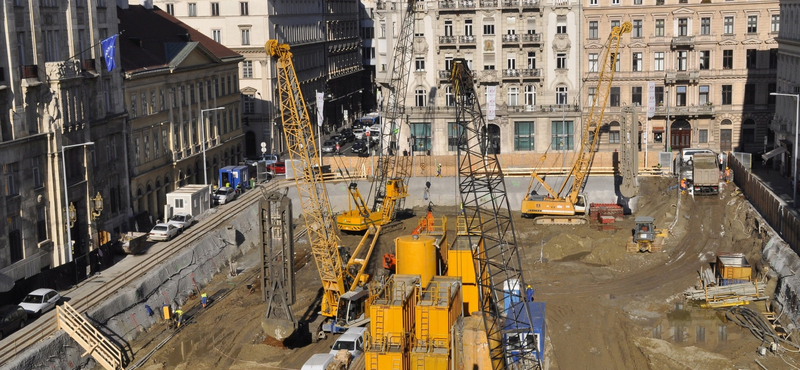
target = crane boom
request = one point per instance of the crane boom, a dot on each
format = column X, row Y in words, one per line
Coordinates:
column 305, row 162
column 486, row 209
column 570, row 204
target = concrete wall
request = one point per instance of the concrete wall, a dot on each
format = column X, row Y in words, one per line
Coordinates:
column 169, row 282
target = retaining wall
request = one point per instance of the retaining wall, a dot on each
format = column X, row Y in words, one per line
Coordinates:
column 170, row 282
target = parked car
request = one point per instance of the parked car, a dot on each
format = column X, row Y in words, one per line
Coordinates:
column 329, row 146
column 319, row 361
column 40, row 301
column 278, row 168
column 163, row 232
column 225, row 194
column 688, row 153
column 352, row 340
column 359, row 133
column 270, row 159
column 181, row 220
column 359, row 146
column 12, row 318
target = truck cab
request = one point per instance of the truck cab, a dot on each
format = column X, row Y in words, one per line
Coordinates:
column 351, row 312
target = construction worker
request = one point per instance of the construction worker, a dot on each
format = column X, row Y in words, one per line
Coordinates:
column 683, row 186
column 178, row 316
column 727, row 174
column 204, row 299
column 529, row 293
column 439, row 171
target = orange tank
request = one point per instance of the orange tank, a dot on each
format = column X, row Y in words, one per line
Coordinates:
column 416, row 255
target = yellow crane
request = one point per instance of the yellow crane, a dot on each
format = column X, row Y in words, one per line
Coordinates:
column 553, row 207
column 343, row 296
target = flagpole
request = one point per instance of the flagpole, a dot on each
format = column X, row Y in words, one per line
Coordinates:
column 98, row 43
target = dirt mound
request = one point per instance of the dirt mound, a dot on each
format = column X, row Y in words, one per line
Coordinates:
column 667, row 356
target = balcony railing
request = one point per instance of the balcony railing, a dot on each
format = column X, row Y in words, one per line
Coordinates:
column 447, row 40
column 681, row 76
column 510, row 3
column 444, row 75
column 529, row 3
column 447, row 5
column 468, row 4
column 678, row 41
column 511, row 38
column 511, row 73
column 692, row 110
column 531, row 37
column 488, row 3
column 466, row 39
column 531, row 72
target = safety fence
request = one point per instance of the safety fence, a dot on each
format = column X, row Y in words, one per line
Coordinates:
column 777, row 212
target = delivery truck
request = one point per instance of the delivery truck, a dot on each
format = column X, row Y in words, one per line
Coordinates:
column 705, row 174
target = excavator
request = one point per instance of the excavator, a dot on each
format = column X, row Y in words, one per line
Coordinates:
column 572, row 207
column 343, row 279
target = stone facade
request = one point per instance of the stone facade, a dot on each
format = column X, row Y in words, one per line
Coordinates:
column 785, row 124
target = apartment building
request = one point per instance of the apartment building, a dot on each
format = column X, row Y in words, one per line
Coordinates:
column 183, row 98
column 713, row 64
column 528, row 51
column 61, row 132
column 785, row 124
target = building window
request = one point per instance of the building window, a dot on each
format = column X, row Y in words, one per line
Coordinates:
column 637, row 62
column 561, row 24
column 591, row 93
column 593, row 62
column 727, row 25
column 488, row 29
column 614, row 97
column 216, row 35
column 15, row 240
column 561, row 60
column 419, row 64
column 513, row 96
column 245, row 37
column 468, row 27
column 752, row 24
column 192, row 9
column 453, row 136
column 613, row 133
column 592, row 2
column 448, row 96
column 419, row 97
column 705, row 57
column 530, row 95
column 636, row 95
column 727, row 94
column 41, row 224
column 752, row 55
column 247, row 70
column 137, row 150
column 703, row 136
column 37, row 177
column 146, row 140
column 615, row 58
column 171, row 9
column 511, row 61
column 659, row 61
column 705, row 26
column 448, row 28
column 593, row 33
column 682, row 60
column 523, row 136
column 749, row 93
column 683, row 26
column 614, row 24
column 243, row 8
column 248, row 103
column 727, row 59
column 637, row 2
column 215, row 9
column 421, row 136
column 773, row 58
column 561, row 95
column 775, row 23
column 9, row 171
column 561, row 135
column 133, row 106
column 614, row 2
column 637, row 28
column 749, row 135
column 659, row 93
column 680, row 96
column 659, row 27
column 703, row 98
column 531, row 60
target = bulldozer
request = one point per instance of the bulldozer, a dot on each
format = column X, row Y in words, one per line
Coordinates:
column 646, row 238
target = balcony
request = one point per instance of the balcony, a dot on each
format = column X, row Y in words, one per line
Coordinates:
column 468, row 4
column 510, row 3
column 447, row 40
column 529, row 3
column 561, row 3
column 511, row 73
column 559, row 108
column 534, row 72
column 466, row 40
column 447, row 5
column 488, row 3
column 444, row 75
column 531, row 37
column 65, row 70
column 511, row 38
column 682, row 76
column 694, row 111
column 683, row 42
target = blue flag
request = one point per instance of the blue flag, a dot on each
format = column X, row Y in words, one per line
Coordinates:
column 109, row 50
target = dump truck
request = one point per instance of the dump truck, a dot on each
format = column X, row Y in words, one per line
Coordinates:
column 705, row 174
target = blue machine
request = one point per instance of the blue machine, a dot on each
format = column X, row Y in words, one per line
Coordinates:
column 234, row 175
column 524, row 339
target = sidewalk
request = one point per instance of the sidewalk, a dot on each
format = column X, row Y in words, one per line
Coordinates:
column 772, row 179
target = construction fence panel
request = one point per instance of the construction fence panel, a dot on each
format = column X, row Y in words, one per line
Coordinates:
column 773, row 209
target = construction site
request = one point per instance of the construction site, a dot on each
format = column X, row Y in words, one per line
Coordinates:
column 619, row 261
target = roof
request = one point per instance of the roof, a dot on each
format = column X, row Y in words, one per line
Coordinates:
column 4, row 309
column 41, row 291
column 644, row 219
column 153, row 39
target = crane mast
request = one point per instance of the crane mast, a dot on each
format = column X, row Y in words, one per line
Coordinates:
column 486, row 208
column 591, row 128
column 305, row 162
column 390, row 164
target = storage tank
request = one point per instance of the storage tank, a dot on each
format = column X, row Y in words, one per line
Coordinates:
column 416, row 255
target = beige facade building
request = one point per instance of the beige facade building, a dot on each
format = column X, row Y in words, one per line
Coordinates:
column 713, row 63
column 785, row 124
column 57, row 97
column 528, row 51
column 182, row 96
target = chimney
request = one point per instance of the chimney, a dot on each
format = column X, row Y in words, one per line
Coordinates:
column 147, row 4
column 122, row 4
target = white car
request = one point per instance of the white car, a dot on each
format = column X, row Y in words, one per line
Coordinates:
column 163, row 232
column 181, row 220
column 359, row 133
column 352, row 340
column 40, row 301
column 225, row 194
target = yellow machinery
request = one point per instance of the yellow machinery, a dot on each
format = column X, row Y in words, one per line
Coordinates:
column 572, row 207
column 438, row 308
column 360, row 218
column 392, row 323
column 646, row 238
column 343, row 300
column 416, row 255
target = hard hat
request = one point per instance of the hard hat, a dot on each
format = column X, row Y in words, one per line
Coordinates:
column 727, row 168
column 529, row 285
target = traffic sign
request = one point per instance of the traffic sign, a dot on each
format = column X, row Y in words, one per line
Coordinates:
column 366, row 134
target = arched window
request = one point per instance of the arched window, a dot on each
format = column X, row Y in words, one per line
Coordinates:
column 613, row 132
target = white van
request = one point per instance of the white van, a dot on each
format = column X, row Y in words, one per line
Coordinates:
column 359, row 133
column 352, row 340
column 688, row 153
column 318, row 361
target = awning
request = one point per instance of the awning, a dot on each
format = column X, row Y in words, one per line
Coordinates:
column 774, row 152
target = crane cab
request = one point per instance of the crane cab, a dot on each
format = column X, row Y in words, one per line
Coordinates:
column 351, row 312
column 555, row 210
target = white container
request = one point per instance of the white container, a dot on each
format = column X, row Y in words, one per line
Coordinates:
column 191, row 199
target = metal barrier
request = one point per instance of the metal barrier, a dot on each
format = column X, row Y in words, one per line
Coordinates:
column 773, row 209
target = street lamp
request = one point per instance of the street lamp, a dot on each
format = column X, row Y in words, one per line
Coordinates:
column 796, row 129
column 203, row 124
column 72, row 215
column 97, row 205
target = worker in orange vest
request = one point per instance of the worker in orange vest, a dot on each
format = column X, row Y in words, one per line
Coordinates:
column 727, row 174
column 683, row 186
